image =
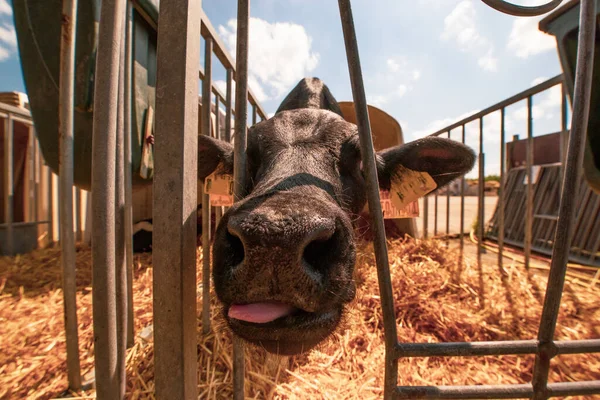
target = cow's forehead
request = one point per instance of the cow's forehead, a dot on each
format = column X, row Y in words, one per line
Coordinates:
column 292, row 127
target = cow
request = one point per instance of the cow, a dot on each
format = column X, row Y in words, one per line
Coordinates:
column 284, row 254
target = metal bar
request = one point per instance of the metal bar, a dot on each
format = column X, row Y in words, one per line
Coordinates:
column 426, row 217
column 50, row 200
column 78, row 215
column 517, row 391
column 31, row 174
column 253, row 114
column 175, row 200
column 501, row 205
column 493, row 348
column 504, row 103
column 8, row 184
column 448, row 207
column 465, row 392
column 67, row 239
column 36, row 175
column 228, row 101
column 206, row 208
column 577, row 346
column 435, row 215
column 573, row 388
column 239, row 169
column 522, row 11
column 218, row 210
column 481, row 214
column 368, row 158
column 529, row 172
column 467, row 348
column 106, row 93
column 564, row 229
column 128, row 174
column 120, row 258
column 564, row 135
column 462, row 209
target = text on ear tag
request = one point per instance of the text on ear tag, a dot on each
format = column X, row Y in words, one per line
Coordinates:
column 408, row 186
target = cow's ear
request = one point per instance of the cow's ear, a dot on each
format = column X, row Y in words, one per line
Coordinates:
column 214, row 154
column 443, row 159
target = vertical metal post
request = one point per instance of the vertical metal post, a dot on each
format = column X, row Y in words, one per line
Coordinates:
column 529, row 171
column 218, row 210
column 78, row 215
column 120, row 258
column 31, row 174
column 426, row 217
column 36, row 174
column 8, row 184
column 239, row 168
column 106, row 93
column 228, row 103
column 368, row 158
column 253, row 114
column 564, row 229
column 128, row 174
column 175, row 199
column 435, row 215
column 481, row 214
column 67, row 240
column 564, row 134
column 462, row 208
column 50, row 200
column 448, row 207
column 501, row 206
column 206, row 208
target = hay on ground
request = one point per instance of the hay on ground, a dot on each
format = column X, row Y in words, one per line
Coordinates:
column 435, row 301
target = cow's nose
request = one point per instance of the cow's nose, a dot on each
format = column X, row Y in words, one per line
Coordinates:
column 299, row 243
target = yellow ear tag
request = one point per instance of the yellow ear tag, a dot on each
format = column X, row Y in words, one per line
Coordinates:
column 220, row 189
column 408, row 186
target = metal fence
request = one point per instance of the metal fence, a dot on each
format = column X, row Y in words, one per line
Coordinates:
column 181, row 24
column 29, row 196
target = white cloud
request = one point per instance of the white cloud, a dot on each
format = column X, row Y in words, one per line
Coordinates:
column 488, row 62
column 392, row 83
column 461, row 27
column 280, row 54
column 526, row 39
column 5, row 8
column 8, row 41
column 393, row 65
column 402, row 89
column 377, row 100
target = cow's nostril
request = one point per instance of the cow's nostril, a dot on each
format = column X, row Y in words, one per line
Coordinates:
column 317, row 253
column 236, row 248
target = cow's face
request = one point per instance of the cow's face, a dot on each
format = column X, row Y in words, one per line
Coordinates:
column 283, row 256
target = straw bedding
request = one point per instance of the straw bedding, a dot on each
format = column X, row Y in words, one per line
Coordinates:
column 435, row 300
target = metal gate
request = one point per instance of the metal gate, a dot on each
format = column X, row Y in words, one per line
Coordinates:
column 175, row 200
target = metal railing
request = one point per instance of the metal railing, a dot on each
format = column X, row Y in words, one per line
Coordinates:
column 181, row 24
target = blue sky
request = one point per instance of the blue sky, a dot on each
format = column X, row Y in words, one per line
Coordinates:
column 425, row 62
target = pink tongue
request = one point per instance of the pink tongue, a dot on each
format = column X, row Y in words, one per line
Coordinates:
column 259, row 313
